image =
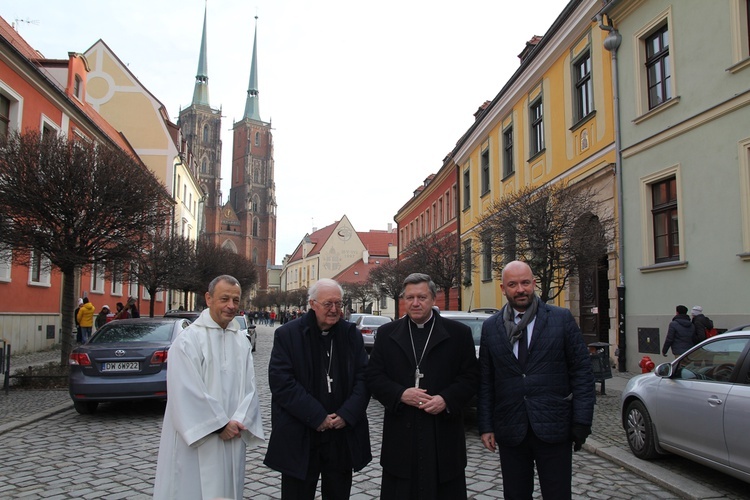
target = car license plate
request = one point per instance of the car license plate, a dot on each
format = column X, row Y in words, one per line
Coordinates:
column 121, row 366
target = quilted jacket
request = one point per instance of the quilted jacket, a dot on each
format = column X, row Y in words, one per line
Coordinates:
column 555, row 390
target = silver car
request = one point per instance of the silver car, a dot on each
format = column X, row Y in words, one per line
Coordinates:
column 368, row 325
column 247, row 330
column 697, row 406
column 473, row 320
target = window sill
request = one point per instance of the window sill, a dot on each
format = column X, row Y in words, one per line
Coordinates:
column 484, row 194
column 744, row 256
column 664, row 266
column 466, row 209
column 740, row 65
column 536, row 155
column 658, row 109
column 486, row 280
column 582, row 121
column 508, row 176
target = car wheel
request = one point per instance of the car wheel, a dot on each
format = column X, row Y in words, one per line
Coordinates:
column 85, row 407
column 640, row 431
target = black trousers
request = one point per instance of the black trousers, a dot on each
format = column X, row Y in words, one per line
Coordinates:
column 326, row 463
column 554, row 463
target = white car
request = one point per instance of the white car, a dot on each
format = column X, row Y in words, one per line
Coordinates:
column 473, row 320
column 697, row 406
column 368, row 325
column 248, row 330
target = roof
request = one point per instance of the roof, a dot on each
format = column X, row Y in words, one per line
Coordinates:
column 318, row 238
column 377, row 242
column 12, row 36
column 357, row 272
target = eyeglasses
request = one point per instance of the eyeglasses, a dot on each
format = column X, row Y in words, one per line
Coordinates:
column 330, row 305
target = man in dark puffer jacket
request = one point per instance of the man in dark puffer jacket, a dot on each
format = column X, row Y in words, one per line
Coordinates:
column 680, row 334
column 536, row 390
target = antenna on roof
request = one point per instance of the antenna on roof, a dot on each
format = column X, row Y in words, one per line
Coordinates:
column 27, row 21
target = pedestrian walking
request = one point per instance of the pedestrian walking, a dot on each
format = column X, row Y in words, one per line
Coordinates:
column 680, row 333
column 85, row 317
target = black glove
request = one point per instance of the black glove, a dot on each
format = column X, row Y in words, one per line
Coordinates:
column 580, row 433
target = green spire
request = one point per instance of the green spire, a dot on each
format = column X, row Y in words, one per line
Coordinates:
column 200, row 94
column 252, row 105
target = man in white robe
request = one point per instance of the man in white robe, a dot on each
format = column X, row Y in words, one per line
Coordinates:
column 212, row 406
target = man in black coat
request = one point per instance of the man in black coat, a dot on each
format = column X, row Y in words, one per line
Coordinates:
column 318, row 400
column 536, row 389
column 423, row 369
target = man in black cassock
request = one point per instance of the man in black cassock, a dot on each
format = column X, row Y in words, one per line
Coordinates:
column 423, row 369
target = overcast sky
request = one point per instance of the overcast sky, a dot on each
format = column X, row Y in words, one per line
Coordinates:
column 366, row 98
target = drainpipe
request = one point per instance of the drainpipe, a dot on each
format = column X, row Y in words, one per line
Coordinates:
column 611, row 44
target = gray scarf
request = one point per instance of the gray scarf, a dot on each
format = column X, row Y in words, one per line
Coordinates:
column 516, row 330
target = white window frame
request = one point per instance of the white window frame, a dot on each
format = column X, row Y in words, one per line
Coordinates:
column 44, row 271
column 744, row 163
column 6, row 264
column 15, row 114
column 641, row 87
column 740, row 33
column 97, row 278
column 133, row 285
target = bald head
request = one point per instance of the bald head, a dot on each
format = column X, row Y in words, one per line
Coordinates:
column 518, row 284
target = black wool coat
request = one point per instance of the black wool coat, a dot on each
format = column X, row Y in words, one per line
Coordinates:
column 450, row 370
column 296, row 413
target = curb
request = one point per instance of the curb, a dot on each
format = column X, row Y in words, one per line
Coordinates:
column 34, row 417
column 677, row 484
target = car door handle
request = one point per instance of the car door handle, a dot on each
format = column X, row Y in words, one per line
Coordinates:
column 715, row 401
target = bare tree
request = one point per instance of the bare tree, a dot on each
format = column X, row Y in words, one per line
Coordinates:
column 161, row 265
column 212, row 261
column 75, row 203
column 389, row 277
column 437, row 255
column 557, row 229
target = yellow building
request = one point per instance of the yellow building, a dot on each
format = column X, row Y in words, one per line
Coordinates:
column 552, row 122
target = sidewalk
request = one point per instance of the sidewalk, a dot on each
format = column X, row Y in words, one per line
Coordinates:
column 21, row 407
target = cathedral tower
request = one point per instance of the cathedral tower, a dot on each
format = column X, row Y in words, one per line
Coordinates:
column 252, row 193
column 201, row 128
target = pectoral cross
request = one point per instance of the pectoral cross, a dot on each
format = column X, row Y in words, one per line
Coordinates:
column 329, row 380
column 417, row 376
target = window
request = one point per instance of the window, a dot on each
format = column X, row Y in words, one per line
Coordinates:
column 440, row 211
column 453, row 203
column 665, row 221
column 467, row 262
column 256, row 226
column 133, row 286
column 77, row 87
column 536, row 119
column 658, row 73
column 509, row 246
column 467, row 189
column 508, row 166
column 485, row 171
column 486, row 258
column 116, row 279
column 205, row 135
column 255, row 203
column 584, row 93
column 97, row 277
column 255, row 255
column 5, row 264
column 39, row 271
column 4, row 116
column 257, row 138
column 204, row 168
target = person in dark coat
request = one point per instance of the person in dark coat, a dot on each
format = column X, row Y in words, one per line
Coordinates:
column 701, row 323
column 680, row 334
column 318, row 400
column 423, row 370
column 536, row 389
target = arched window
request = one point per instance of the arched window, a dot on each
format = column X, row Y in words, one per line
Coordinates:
column 204, row 166
column 205, row 133
column 256, row 203
column 256, row 226
column 255, row 255
column 257, row 138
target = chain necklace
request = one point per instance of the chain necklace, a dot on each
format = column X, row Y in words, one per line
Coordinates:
column 329, row 380
column 418, row 374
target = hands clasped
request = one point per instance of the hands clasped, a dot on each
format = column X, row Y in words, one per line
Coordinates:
column 332, row 421
column 232, row 430
column 419, row 398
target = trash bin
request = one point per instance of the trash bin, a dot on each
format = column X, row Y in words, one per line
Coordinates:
column 600, row 362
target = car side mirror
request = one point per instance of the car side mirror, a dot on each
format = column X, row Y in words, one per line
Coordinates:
column 664, row 370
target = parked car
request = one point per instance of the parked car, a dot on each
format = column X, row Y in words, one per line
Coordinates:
column 368, row 325
column 125, row 359
column 488, row 310
column 353, row 317
column 472, row 319
column 247, row 330
column 179, row 313
column 695, row 406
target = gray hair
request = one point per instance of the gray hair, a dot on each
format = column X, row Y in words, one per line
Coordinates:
column 417, row 278
column 323, row 283
column 224, row 277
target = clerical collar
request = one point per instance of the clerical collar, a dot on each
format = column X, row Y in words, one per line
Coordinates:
column 422, row 325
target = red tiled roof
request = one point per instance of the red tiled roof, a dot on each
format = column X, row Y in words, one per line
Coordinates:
column 377, row 242
column 357, row 272
column 318, row 238
column 12, row 36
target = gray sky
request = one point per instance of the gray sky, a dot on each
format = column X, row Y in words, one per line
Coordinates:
column 366, row 98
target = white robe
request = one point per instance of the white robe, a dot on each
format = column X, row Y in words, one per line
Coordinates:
column 210, row 381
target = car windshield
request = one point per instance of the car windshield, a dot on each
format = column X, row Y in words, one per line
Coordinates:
column 242, row 322
column 134, row 332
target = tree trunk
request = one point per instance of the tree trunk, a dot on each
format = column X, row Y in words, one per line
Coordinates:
column 68, row 306
column 447, row 296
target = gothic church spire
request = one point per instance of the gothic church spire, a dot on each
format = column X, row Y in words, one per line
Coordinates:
column 252, row 105
column 200, row 94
